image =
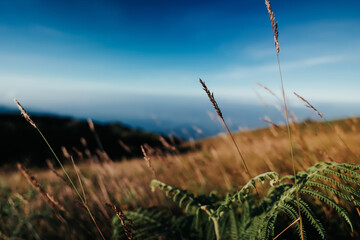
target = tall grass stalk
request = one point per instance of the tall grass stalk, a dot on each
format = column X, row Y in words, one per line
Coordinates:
column 286, row 229
column 328, row 123
column 277, row 46
column 27, row 117
column 218, row 111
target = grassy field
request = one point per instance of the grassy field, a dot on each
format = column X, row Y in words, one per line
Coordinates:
column 298, row 180
column 214, row 167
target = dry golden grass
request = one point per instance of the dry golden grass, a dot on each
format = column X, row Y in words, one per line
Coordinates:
column 105, row 183
column 211, row 167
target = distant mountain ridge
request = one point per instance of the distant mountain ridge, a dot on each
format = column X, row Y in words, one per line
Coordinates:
column 4, row 109
column 20, row 142
column 192, row 118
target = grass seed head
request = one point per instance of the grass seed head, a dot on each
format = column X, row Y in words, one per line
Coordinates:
column 273, row 25
column 25, row 114
column 125, row 222
column 148, row 161
column 91, row 125
column 308, row 105
column 266, row 88
column 54, row 205
column 212, row 98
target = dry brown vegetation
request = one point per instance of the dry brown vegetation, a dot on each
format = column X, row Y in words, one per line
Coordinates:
column 212, row 168
column 218, row 166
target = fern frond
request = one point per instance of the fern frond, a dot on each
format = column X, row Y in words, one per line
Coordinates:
column 242, row 216
column 329, row 169
column 329, row 202
column 268, row 231
column 234, row 230
column 348, row 170
column 342, row 176
column 310, row 216
column 178, row 196
column 350, row 190
column 293, row 215
column 331, row 189
column 241, row 195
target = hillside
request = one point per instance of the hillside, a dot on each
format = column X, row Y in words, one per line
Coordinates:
column 212, row 168
column 20, row 142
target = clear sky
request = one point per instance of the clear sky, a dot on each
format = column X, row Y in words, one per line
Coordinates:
column 98, row 58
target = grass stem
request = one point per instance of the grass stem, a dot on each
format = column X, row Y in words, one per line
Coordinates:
column 291, row 144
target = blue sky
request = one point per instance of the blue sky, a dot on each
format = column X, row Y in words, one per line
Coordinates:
column 116, row 60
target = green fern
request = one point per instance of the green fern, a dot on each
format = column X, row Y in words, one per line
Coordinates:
column 155, row 223
column 242, row 215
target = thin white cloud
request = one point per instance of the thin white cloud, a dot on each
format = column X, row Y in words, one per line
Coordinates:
column 247, row 71
column 314, row 61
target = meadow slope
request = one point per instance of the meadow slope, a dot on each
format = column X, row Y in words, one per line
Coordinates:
column 213, row 167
